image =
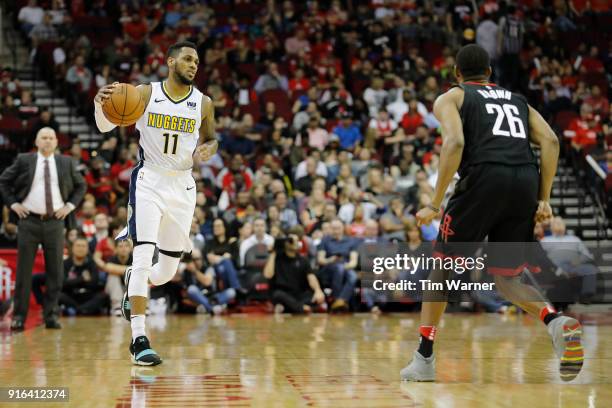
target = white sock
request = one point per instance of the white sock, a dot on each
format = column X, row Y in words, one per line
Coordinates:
column 138, row 326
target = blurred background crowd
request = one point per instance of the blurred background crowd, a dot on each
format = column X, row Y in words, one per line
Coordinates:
column 324, row 113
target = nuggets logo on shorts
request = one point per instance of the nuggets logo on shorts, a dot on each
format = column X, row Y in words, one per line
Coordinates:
column 171, row 122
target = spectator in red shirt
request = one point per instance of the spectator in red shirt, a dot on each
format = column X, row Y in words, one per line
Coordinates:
column 412, row 119
column 102, row 244
column 598, row 102
column 298, row 83
column 156, row 59
column 583, row 130
column 592, row 63
column 226, row 176
column 322, row 47
column 164, row 40
column 85, row 219
column 121, row 170
column 183, row 27
column 581, row 6
column 99, row 182
column 136, row 29
column 9, row 85
column 27, row 108
column 357, row 228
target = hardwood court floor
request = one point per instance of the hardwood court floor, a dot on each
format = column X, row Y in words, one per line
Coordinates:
column 316, row 361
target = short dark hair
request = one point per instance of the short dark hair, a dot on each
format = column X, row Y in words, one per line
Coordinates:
column 473, row 61
column 176, row 48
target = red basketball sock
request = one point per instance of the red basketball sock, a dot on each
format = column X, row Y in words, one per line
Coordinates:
column 429, row 332
column 547, row 314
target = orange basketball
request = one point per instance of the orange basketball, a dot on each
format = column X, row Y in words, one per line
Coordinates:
column 125, row 106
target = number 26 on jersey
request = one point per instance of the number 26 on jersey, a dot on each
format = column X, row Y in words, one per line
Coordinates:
column 509, row 114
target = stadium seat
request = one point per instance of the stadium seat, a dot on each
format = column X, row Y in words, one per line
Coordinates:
column 224, row 70
column 10, row 123
column 201, row 78
column 100, row 30
column 296, row 94
column 252, row 275
column 563, row 119
column 597, row 78
column 256, row 257
column 281, row 100
column 250, row 70
column 431, row 51
column 359, row 85
column 253, row 109
column 63, row 141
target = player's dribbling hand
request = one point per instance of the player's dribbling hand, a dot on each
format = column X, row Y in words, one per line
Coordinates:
column 207, row 150
column 544, row 212
column 104, row 93
column 425, row 215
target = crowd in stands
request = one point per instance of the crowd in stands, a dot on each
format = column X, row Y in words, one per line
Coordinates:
column 324, row 113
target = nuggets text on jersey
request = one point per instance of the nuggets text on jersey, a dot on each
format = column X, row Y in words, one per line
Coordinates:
column 170, row 122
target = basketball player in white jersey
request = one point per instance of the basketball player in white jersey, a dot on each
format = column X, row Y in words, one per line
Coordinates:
column 178, row 121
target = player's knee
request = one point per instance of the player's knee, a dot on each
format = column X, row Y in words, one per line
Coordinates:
column 192, row 290
column 143, row 256
column 230, row 293
column 227, row 264
column 351, row 277
column 165, row 268
column 141, row 269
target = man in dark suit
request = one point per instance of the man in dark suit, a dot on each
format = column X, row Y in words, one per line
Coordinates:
column 42, row 189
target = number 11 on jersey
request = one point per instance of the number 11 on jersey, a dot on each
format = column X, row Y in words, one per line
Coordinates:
column 167, row 140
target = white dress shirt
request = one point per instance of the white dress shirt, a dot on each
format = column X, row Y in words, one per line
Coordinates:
column 35, row 200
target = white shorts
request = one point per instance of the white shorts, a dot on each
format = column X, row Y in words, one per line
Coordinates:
column 161, row 207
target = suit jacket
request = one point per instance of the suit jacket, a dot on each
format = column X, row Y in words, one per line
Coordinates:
column 16, row 181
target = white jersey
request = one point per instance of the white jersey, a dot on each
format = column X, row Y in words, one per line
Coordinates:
column 169, row 129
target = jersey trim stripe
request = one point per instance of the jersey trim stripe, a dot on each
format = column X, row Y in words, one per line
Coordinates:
column 480, row 83
column 130, row 230
column 141, row 155
column 163, row 88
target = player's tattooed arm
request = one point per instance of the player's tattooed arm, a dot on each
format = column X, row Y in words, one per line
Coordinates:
column 145, row 93
column 446, row 109
column 207, row 145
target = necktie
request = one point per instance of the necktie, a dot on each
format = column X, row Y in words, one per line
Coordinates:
column 48, row 197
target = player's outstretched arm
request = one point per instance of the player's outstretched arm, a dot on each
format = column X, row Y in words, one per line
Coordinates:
column 104, row 125
column 207, row 144
column 541, row 134
column 446, row 110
